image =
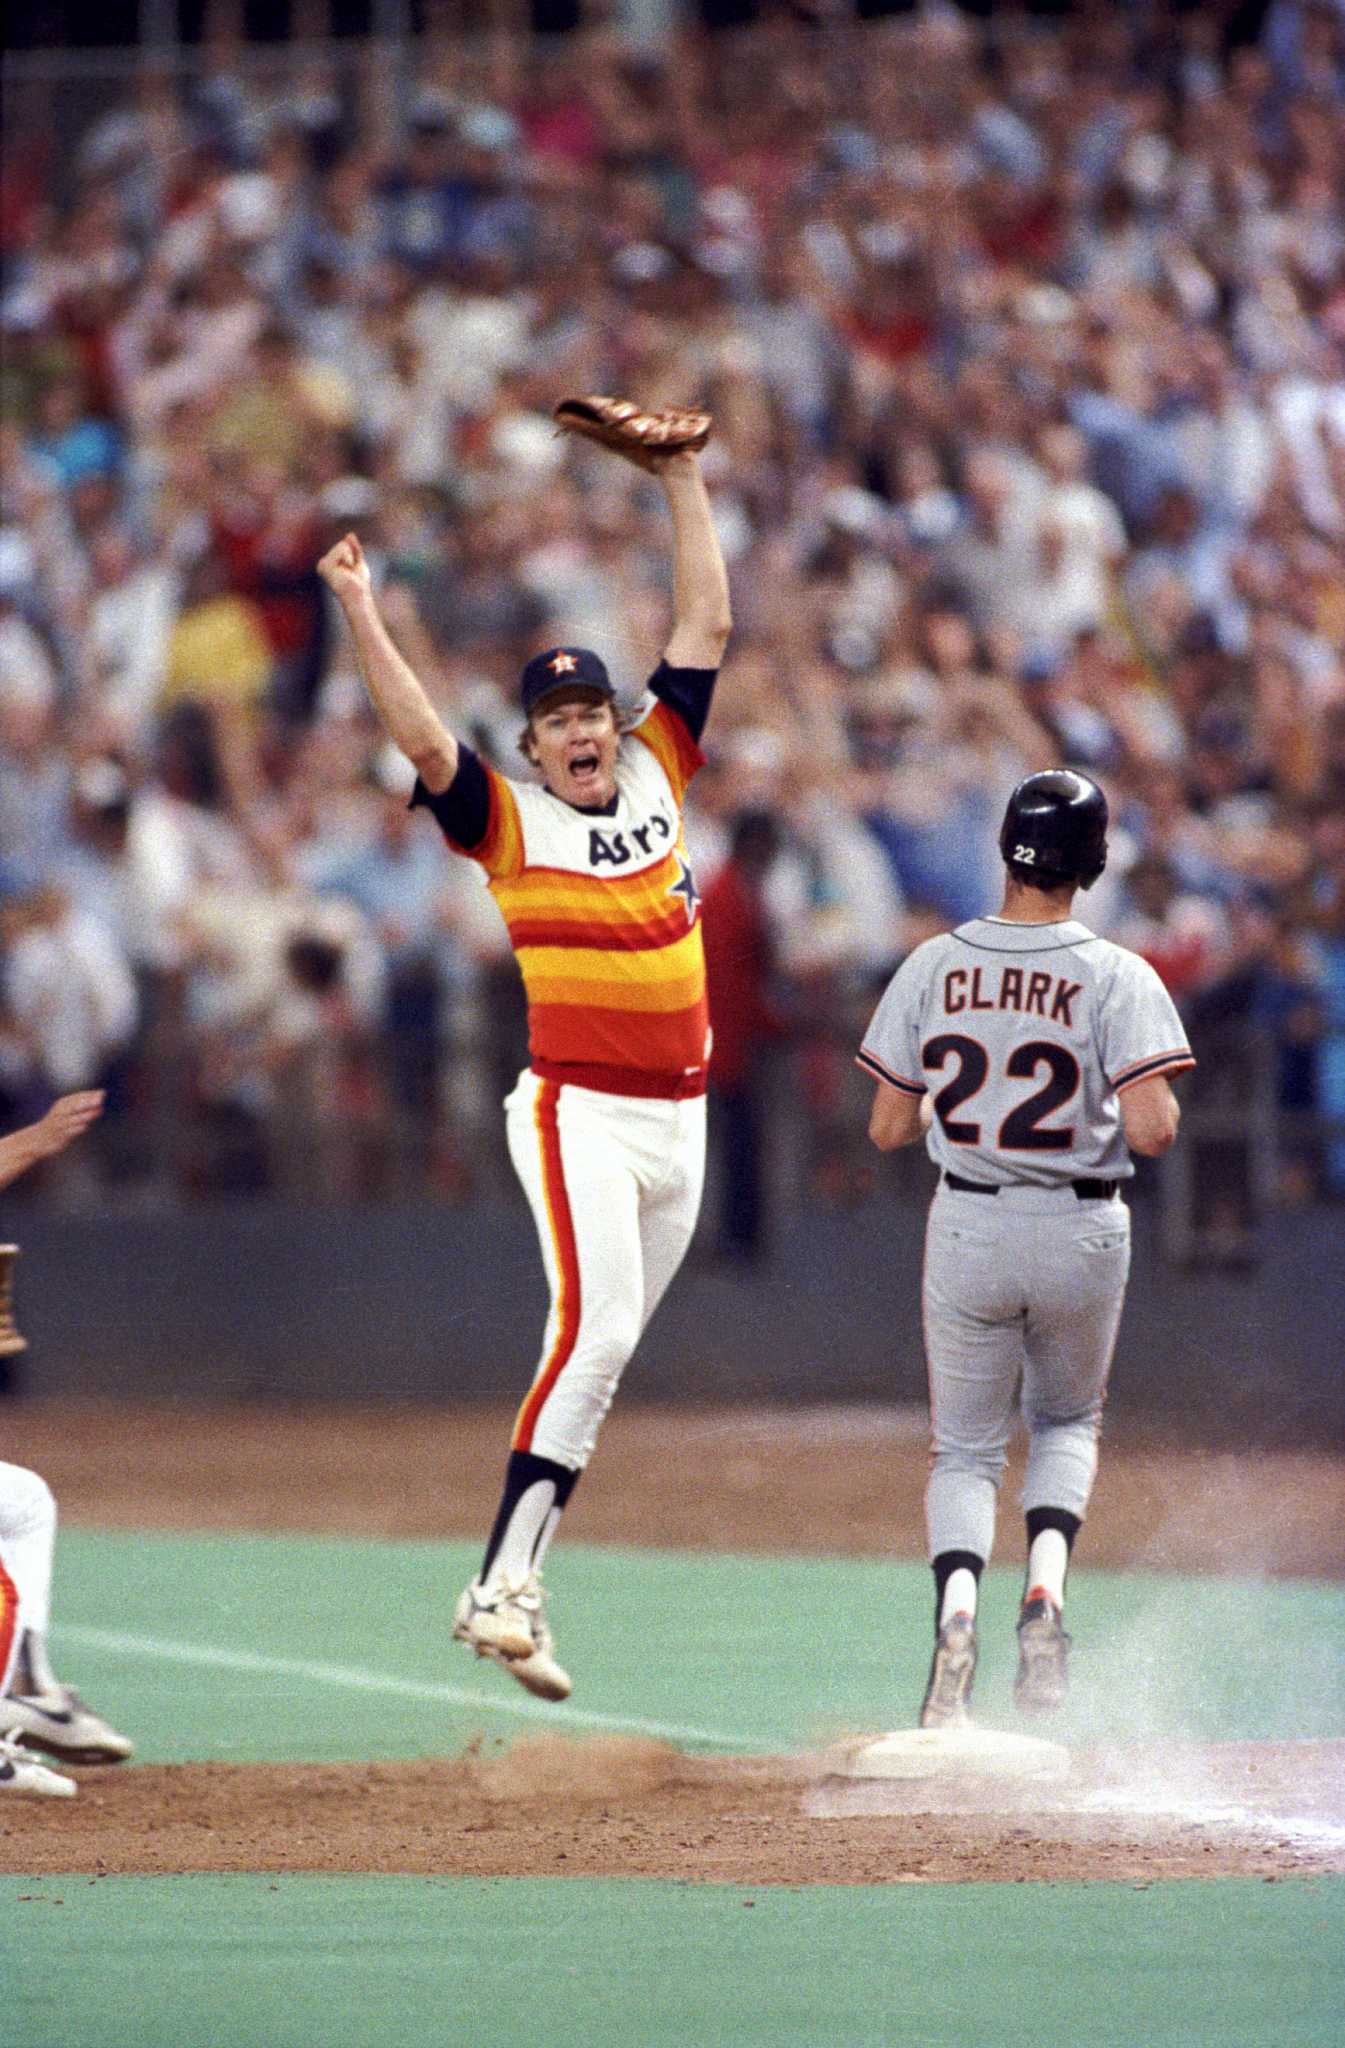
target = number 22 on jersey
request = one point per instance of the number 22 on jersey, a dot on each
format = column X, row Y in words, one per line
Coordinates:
column 1024, row 1128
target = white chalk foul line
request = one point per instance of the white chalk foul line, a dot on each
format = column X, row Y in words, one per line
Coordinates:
column 353, row 1679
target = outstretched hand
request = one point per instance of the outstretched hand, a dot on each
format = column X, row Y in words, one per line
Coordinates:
column 67, row 1119
column 345, row 571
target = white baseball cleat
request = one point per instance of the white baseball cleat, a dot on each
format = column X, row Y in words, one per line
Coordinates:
column 1043, row 1658
column 950, row 1674
column 60, row 1724
column 22, row 1774
column 507, row 1624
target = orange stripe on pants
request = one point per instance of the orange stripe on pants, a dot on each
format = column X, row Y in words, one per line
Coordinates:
column 9, row 1622
column 561, row 1221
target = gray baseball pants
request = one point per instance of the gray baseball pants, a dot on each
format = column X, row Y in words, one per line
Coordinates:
column 1022, row 1289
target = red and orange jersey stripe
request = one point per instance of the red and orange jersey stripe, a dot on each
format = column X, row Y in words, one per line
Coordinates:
column 672, row 746
column 562, row 906
column 569, row 1023
column 603, row 951
column 613, row 891
column 599, row 1036
column 501, row 850
column 566, row 1299
column 613, row 957
column 666, row 977
column 631, row 935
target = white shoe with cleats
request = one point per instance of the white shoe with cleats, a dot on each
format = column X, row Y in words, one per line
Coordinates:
column 948, row 1693
column 21, row 1773
column 1043, row 1658
column 59, row 1724
column 507, row 1623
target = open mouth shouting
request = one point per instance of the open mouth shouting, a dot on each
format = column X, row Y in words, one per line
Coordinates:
column 585, row 768
column 575, row 742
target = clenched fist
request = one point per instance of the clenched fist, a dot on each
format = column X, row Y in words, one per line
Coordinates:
column 346, row 572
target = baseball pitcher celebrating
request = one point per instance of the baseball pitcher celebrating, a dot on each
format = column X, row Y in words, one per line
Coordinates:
column 1037, row 1057
column 606, row 1126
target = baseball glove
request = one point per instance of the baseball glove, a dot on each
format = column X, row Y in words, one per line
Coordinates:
column 641, row 437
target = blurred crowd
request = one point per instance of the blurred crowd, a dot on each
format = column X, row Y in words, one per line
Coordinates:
column 1026, row 346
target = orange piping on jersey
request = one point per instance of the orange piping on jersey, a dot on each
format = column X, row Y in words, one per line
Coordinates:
column 1156, row 1063
column 873, row 1065
column 9, row 1619
column 561, row 1220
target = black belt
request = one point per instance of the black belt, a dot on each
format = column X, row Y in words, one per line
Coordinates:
column 1086, row 1190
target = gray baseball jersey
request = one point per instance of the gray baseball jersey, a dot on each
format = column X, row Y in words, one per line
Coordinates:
column 1026, row 1033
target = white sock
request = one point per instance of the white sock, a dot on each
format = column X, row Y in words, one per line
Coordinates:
column 549, row 1528
column 527, row 1533
column 1047, row 1563
column 959, row 1595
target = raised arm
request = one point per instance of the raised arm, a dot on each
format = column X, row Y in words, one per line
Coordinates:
column 395, row 691
column 67, row 1118
column 701, row 615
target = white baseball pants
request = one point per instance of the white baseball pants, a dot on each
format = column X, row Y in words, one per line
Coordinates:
column 614, row 1183
column 27, row 1548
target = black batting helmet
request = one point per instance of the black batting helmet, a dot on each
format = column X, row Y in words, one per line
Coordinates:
column 1055, row 830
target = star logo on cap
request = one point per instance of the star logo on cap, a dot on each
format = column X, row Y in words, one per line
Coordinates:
column 685, row 887
column 562, row 664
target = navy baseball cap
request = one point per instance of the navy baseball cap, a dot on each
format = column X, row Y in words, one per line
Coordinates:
column 559, row 667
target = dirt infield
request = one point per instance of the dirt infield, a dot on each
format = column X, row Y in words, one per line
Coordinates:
column 549, row 1807
column 832, row 1481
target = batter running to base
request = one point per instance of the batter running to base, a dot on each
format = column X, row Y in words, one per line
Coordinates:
column 1037, row 1057
column 606, row 1126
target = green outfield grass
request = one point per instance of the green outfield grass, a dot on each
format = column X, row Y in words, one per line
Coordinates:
column 304, row 1647
column 324, row 1962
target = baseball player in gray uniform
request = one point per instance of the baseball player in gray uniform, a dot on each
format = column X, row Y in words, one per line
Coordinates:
column 1036, row 1057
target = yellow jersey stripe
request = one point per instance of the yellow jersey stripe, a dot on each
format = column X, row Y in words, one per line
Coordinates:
column 684, row 956
column 681, row 993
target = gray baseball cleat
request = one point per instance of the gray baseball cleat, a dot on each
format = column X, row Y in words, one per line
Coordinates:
column 508, row 1624
column 22, row 1774
column 61, row 1725
column 950, row 1675
column 1043, row 1658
